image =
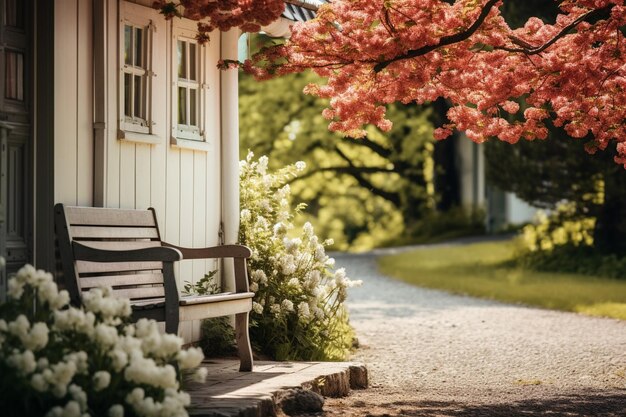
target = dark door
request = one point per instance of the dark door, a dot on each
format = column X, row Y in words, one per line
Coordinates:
column 16, row 134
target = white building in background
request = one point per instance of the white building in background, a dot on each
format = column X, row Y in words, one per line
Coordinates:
column 501, row 208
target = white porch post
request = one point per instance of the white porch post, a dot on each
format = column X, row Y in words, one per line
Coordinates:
column 230, row 152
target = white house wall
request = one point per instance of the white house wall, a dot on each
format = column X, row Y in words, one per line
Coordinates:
column 183, row 185
column 73, row 102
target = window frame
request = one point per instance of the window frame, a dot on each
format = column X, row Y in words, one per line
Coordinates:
column 185, row 135
column 132, row 127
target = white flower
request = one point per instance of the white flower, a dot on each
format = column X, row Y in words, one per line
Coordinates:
column 79, row 359
column 42, row 363
column 59, row 376
column 79, row 396
column 100, row 301
column 24, row 362
column 19, row 327
column 119, row 359
column 106, row 335
column 74, row 319
column 145, row 371
column 303, row 311
column 275, row 309
column 300, row 165
column 71, row 409
column 257, row 308
column 262, row 166
column 37, row 338
column 101, row 380
column 287, row 305
column 200, row 375
column 291, row 245
column 307, row 229
column 288, row 265
column 280, row 229
column 294, row 282
column 16, row 289
column 190, row 358
column 39, row 383
column 116, row 410
column 254, row 287
column 259, row 276
column 320, row 254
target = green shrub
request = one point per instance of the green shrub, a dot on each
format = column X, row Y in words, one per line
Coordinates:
column 298, row 310
column 562, row 241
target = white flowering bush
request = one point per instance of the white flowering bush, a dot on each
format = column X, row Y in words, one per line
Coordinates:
column 298, row 310
column 58, row 360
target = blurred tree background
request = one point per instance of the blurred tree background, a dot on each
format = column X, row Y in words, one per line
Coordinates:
column 386, row 188
column 402, row 186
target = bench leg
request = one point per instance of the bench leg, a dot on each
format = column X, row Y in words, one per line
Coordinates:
column 171, row 324
column 243, row 342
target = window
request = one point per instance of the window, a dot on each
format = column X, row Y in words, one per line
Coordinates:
column 188, row 89
column 135, row 76
column 136, row 73
column 189, row 92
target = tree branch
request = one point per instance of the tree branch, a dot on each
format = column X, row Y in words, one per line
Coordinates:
column 394, row 198
column 368, row 143
column 444, row 41
column 530, row 50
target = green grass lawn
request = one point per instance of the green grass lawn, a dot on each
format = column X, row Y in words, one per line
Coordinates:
column 486, row 270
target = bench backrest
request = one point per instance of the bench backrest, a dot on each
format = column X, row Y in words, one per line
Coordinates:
column 110, row 229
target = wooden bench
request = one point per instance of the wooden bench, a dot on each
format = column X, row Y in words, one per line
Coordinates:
column 122, row 249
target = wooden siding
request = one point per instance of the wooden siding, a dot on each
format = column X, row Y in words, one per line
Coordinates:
column 72, row 102
column 183, row 185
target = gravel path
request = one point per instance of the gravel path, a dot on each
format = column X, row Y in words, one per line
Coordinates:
column 434, row 354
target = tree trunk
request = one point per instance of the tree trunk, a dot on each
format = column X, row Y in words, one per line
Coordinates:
column 610, row 230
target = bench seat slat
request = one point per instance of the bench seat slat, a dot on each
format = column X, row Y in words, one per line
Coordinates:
column 108, row 217
column 120, row 245
column 120, row 280
column 147, row 304
column 141, row 292
column 86, row 267
column 106, row 232
column 214, row 298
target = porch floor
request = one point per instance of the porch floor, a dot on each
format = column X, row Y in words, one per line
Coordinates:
column 230, row 393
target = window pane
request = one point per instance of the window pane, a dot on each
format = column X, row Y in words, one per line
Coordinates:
column 14, row 76
column 182, row 59
column 182, row 105
column 138, row 97
column 128, row 41
column 193, row 106
column 138, row 48
column 14, row 12
column 192, row 61
column 128, row 95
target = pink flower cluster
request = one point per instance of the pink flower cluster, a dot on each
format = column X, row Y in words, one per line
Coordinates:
column 501, row 82
column 248, row 15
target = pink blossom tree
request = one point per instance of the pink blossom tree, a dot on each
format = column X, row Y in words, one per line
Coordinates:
column 501, row 82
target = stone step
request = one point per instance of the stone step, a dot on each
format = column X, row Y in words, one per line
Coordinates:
column 230, row 393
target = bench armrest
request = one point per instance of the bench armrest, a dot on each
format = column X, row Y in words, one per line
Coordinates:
column 239, row 252
column 223, row 251
column 159, row 253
